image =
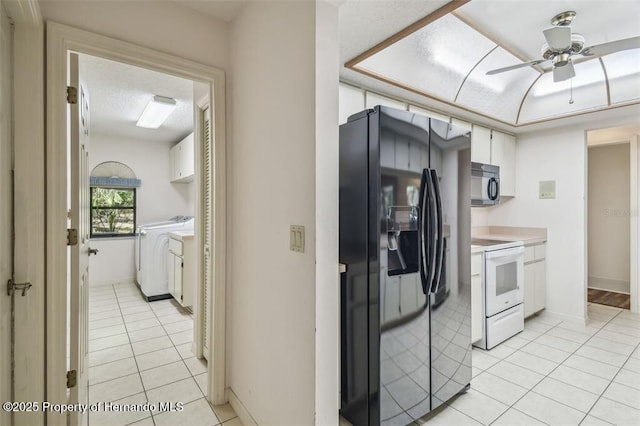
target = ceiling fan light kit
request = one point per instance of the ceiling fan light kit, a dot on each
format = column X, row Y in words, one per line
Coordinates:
column 561, row 44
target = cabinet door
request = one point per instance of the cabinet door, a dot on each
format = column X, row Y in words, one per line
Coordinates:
column 373, row 99
column 350, row 101
column 187, row 157
column 540, row 297
column 503, row 154
column 174, row 163
column 529, row 289
column 481, row 144
column 424, row 153
column 429, row 113
column 171, row 273
column 476, row 308
column 177, row 280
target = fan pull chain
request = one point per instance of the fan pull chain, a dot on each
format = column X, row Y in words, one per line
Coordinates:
column 571, row 91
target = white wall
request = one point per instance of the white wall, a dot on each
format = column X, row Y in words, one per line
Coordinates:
column 553, row 155
column 608, row 189
column 281, row 148
column 162, row 25
column 157, row 199
column 558, row 154
column 327, row 362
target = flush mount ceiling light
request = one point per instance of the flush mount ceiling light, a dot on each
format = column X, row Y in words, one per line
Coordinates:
column 156, row 112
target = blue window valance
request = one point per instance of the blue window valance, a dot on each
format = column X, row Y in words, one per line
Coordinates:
column 114, row 182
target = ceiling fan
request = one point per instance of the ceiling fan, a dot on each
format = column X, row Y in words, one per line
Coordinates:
column 562, row 45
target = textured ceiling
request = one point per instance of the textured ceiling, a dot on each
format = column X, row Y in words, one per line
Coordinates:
column 516, row 26
column 118, row 93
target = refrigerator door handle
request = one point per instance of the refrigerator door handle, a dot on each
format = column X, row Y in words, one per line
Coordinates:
column 427, row 249
column 439, row 249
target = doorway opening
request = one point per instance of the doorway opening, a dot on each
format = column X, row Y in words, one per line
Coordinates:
column 612, row 167
column 69, row 308
column 141, row 277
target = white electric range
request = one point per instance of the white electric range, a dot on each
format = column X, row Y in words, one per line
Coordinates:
column 503, row 290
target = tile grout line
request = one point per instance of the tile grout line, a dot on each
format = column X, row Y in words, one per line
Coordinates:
column 136, row 361
column 529, row 390
column 612, row 379
column 550, row 372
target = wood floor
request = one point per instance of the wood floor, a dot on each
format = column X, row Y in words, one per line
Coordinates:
column 609, row 298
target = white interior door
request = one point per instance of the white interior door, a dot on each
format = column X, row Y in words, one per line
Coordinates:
column 80, row 214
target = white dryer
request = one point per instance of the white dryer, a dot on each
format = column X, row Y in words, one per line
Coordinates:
column 151, row 253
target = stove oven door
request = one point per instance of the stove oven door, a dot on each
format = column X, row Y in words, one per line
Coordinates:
column 504, row 279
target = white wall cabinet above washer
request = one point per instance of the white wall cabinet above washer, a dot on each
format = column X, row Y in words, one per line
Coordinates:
column 182, row 160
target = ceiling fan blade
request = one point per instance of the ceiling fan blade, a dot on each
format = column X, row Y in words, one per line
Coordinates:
column 558, row 38
column 612, row 47
column 515, row 67
column 563, row 73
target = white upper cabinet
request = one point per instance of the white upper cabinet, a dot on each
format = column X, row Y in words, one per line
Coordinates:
column 481, row 144
column 497, row 148
column 503, row 154
column 373, row 99
column 428, row 113
column 350, row 101
column 182, row 160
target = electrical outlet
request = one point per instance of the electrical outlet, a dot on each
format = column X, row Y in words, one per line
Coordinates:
column 296, row 238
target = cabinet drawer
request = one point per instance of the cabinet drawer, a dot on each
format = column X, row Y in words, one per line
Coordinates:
column 539, row 251
column 529, row 255
column 476, row 264
column 175, row 246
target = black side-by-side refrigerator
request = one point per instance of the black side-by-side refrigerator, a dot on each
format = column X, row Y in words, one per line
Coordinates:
column 405, row 240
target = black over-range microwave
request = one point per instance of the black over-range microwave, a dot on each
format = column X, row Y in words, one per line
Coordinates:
column 485, row 184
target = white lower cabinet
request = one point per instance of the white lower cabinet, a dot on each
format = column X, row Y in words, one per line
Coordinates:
column 476, row 297
column 181, row 273
column 535, row 279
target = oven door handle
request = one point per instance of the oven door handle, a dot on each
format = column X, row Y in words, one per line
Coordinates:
column 439, row 240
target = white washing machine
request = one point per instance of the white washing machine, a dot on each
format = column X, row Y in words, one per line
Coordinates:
column 151, row 253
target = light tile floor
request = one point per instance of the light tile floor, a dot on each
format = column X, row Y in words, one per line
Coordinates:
column 140, row 352
column 556, row 373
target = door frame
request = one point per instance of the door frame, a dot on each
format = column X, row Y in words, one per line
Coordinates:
column 634, row 218
column 59, row 40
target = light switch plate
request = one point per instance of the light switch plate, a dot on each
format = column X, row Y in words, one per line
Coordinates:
column 296, row 238
column 547, row 189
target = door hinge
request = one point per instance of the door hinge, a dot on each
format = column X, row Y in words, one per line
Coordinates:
column 72, row 95
column 72, row 378
column 12, row 286
column 72, row 237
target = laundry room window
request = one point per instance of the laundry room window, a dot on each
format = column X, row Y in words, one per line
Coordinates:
column 113, row 200
column 113, row 212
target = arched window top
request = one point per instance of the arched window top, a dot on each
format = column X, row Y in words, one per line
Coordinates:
column 114, row 174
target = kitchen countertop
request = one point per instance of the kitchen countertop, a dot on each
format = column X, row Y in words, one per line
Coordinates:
column 529, row 236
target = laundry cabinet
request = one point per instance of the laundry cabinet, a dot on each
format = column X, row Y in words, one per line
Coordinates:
column 181, row 267
column 182, row 160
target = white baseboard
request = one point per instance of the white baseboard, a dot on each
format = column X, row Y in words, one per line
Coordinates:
column 607, row 284
column 240, row 409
